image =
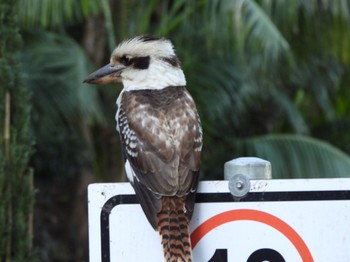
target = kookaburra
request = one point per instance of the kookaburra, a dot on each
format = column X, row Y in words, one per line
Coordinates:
column 161, row 135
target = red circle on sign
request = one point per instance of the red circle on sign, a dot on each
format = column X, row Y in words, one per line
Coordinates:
column 254, row 215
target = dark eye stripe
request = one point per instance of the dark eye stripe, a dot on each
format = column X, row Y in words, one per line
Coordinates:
column 144, row 61
column 141, row 62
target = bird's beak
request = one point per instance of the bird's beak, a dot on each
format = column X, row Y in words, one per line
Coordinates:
column 105, row 75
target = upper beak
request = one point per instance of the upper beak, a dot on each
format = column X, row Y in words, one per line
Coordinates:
column 105, row 75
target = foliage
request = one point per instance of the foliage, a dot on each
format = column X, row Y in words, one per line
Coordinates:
column 16, row 189
column 291, row 154
column 55, row 13
column 263, row 73
column 261, row 65
column 55, row 67
column 269, row 78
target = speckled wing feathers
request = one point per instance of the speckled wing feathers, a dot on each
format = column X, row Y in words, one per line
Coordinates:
column 161, row 135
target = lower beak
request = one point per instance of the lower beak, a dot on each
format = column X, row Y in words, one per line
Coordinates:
column 105, row 75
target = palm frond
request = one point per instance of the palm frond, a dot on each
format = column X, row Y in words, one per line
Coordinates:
column 259, row 30
column 55, row 67
column 173, row 15
column 55, row 13
column 321, row 78
column 108, row 24
column 295, row 156
column 294, row 116
column 223, row 92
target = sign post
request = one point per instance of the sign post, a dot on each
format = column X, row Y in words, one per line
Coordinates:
column 277, row 220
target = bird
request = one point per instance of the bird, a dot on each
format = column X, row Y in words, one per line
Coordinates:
column 161, row 136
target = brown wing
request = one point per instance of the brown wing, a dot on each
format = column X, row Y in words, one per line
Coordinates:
column 162, row 138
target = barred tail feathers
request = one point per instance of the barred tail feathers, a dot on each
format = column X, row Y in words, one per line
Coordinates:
column 173, row 226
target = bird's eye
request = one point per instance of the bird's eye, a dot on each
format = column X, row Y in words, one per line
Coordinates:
column 125, row 60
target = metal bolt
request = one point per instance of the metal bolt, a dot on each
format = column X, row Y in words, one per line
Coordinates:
column 239, row 185
column 239, row 171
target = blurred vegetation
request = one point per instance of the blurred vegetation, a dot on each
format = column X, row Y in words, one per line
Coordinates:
column 270, row 79
column 16, row 143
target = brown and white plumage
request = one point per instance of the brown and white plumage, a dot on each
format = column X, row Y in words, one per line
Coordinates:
column 161, row 136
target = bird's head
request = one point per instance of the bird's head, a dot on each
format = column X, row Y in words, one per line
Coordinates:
column 141, row 62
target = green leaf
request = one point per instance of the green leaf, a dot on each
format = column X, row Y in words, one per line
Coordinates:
column 55, row 67
column 55, row 13
column 259, row 30
column 296, row 156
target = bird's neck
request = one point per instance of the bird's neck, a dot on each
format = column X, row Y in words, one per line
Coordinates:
column 158, row 76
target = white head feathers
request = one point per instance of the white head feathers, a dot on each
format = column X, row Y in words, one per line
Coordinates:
column 151, row 63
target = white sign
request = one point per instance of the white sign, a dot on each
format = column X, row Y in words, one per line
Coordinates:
column 278, row 220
